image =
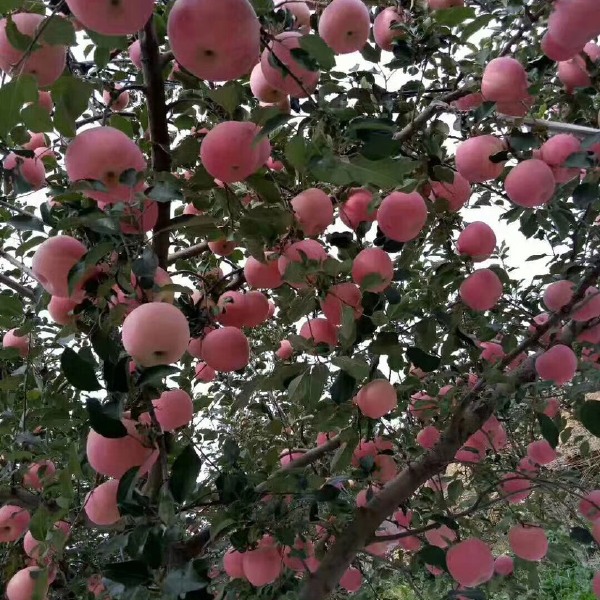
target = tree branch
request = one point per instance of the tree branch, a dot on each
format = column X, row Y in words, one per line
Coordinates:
column 17, row 287
column 472, row 413
column 19, row 265
column 306, row 459
column 190, row 252
column 436, row 106
column 14, row 208
column 555, row 126
column 159, row 131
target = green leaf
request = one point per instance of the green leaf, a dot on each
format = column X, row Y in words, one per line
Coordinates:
column 343, row 456
column 10, row 305
column 386, row 342
column 590, row 417
column 343, row 387
column 186, row 153
column 184, row 473
column 108, row 41
column 590, row 140
column 229, row 96
column 181, row 581
column 453, row 16
column 432, row 555
column 586, row 194
column 371, row 53
column 475, row 26
column 59, row 31
column 103, row 420
column 36, row 118
column 262, row 7
column 307, row 388
column 548, row 429
column 116, row 375
column 272, row 125
column 520, row 140
column 8, row 5
column 40, row 523
column 19, row 40
column 126, row 487
column 78, row 371
column 580, row 160
column 357, row 367
column 13, row 95
column 130, row 573
column 155, row 375
column 26, row 223
column 301, row 56
column 385, row 173
column 264, row 187
column 165, row 191
column 297, row 152
column 443, row 174
column 71, row 96
column 319, row 51
column 423, row 360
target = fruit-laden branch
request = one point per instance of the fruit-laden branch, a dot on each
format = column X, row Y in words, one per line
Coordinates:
column 437, row 105
column 159, row 130
column 476, row 407
column 17, row 287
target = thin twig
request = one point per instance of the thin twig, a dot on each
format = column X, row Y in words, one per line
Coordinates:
column 19, row 265
column 436, row 106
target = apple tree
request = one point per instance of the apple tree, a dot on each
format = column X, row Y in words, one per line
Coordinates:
column 262, row 335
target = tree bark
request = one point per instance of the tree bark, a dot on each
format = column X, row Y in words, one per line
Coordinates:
column 159, row 131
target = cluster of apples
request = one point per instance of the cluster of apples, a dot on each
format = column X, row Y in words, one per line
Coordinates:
column 41, row 554
column 264, row 564
column 532, row 182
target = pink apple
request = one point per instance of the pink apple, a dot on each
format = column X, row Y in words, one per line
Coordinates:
column 112, row 17
column 101, row 503
column 473, row 158
column 280, row 49
column 227, row 49
column 313, row 211
column 104, row 154
column 226, row 349
column 402, row 216
column 14, row 522
column 46, row 63
column 155, row 333
column 18, row 342
column 345, row 25
column 373, row 261
column 481, row 290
